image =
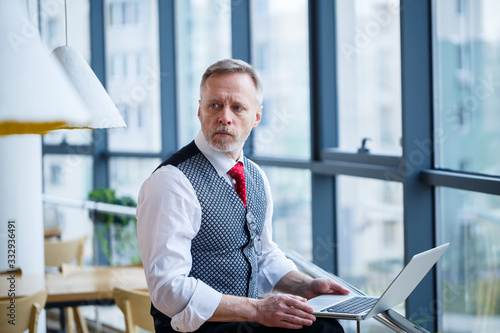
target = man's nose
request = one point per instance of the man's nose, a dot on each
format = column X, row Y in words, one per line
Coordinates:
column 225, row 116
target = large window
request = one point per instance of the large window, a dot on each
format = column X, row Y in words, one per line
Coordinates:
column 203, row 36
column 370, row 239
column 69, row 176
column 128, row 173
column 419, row 79
column 466, row 73
column 467, row 44
column 133, row 74
column 369, row 74
column 370, row 233
column 280, row 53
column 469, row 270
column 291, row 191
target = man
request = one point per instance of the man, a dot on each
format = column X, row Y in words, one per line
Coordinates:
column 204, row 226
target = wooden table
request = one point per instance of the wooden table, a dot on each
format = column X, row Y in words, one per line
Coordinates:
column 82, row 286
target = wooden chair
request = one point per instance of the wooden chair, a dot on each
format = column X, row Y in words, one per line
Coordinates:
column 61, row 254
column 135, row 306
column 26, row 313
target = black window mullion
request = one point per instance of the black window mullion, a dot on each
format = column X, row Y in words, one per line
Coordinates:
column 241, row 46
column 324, row 128
column 240, row 30
column 98, row 56
column 168, row 87
column 462, row 181
column 416, row 81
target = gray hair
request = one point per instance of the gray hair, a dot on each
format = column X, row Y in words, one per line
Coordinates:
column 234, row 66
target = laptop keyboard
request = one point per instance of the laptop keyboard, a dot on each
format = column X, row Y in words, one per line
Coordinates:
column 353, row 305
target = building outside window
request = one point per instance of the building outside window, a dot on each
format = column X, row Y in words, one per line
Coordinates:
column 280, row 45
column 370, row 240
column 369, row 74
column 466, row 76
column 280, row 53
column 134, row 78
column 125, row 12
column 203, row 36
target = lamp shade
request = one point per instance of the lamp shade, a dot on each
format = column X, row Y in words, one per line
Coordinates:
column 35, row 94
column 104, row 113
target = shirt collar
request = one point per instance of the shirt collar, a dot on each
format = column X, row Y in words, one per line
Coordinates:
column 221, row 162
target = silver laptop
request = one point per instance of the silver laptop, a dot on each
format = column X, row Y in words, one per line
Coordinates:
column 358, row 307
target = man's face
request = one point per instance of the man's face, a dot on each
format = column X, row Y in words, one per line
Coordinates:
column 228, row 111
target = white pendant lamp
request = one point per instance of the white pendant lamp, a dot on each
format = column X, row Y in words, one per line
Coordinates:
column 104, row 113
column 35, row 94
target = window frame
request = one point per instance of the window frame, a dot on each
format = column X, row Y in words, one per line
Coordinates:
column 414, row 168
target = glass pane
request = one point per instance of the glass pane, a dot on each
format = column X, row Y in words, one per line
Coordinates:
column 53, row 35
column 128, row 174
column 133, row 73
column 280, row 52
column 369, row 75
column 201, row 41
column 68, row 176
column 291, row 192
column 466, row 76
column 469, row 269
column 370, row 233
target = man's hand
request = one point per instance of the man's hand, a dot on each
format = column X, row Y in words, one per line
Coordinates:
column 318, row 287
column 279, row 310
column 303, row 285
column 285, row 311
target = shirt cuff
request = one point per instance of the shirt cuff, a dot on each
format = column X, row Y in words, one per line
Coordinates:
column 200, row 308
column 269, row 278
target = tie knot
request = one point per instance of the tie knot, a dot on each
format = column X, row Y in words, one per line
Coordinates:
column 237, row 172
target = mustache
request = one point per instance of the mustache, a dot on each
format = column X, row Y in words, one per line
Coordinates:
column 221, row 128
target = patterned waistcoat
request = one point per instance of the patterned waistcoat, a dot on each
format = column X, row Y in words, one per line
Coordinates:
column 223, row 250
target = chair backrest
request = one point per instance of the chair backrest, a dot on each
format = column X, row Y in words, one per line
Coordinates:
column 58, row 253
column 21, row 313
column 135, row 306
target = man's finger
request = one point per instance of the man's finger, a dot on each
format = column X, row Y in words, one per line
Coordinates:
column 299, row 304
column 341, row 290
column 297, row 313
column 289, row 318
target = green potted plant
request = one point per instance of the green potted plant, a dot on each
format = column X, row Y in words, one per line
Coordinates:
column 115, row 241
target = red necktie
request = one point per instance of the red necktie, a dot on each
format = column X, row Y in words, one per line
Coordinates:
column 238, row 174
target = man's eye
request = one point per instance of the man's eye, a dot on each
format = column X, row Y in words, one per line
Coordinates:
column 238, row 108
column 215, row 106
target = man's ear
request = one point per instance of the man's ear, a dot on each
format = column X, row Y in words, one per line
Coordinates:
column 199, row 109
column 258, row 117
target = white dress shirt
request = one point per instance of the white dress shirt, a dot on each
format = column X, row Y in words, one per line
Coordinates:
column 168, row 218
